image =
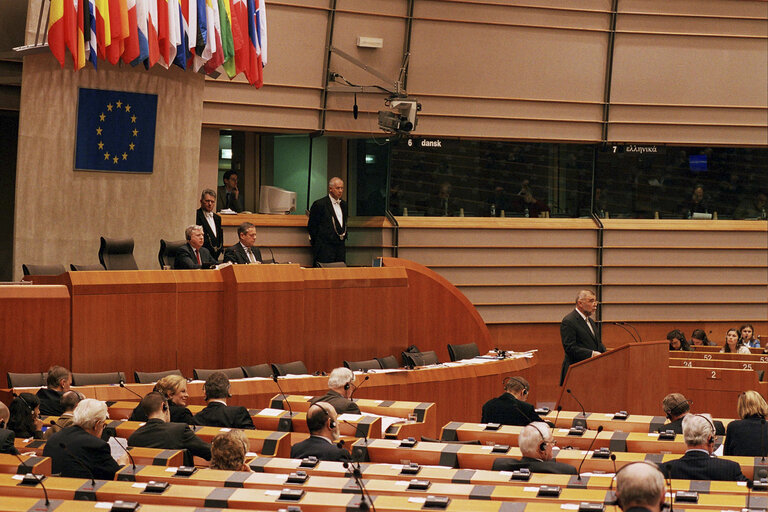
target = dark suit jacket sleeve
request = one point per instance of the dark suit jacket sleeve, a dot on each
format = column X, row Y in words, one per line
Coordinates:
column 316, row 214
column 574, row 340
column 100, row 461
column 185, row 258
column 195, row 445
column 232, row 254
column 7, row 438
column 243, row 419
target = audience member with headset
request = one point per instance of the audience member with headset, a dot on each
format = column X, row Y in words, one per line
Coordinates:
column 733, row 343
column 7, row 436
column 698, row 463
column 25, row 416
column 677, row 340
column 341, row 385
column 511, row 408
column 228, row 450
column 69, row 401
column 174, row 388
column 676, row 407
column 749, row 435
column 747, row 336
column 699, row 337
column 217, row 413
column 193, row 255
column 159, row 432
column 57, row 382
column 324, row 433
column 640, row 488
column 536, row 442
column 78, row 450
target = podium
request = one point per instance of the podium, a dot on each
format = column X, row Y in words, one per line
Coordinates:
column 632, row 378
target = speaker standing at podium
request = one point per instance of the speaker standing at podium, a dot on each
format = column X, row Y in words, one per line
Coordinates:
column 327, row 225
column 579, row 333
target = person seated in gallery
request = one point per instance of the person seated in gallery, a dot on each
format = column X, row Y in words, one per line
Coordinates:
column 747, row 336
column 217, row 413
column 324, row 434
column 511, row 408
column 57, row 383
column 676, row 407
column 733, row 344
column 174, row 388
column 640, row 488
column 25, row 416
column 160, row 432
column 748, row 436
column 536, row 442
column 228, row 451
column 7, row 436
column 699, row 338
column 752, row 207
column 697, row 463
column 341, row 385
column 677, row 340
column 69, row 401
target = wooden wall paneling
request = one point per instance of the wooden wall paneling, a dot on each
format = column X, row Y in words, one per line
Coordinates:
column 714, row 390
column 35, row 327
column 203, row 314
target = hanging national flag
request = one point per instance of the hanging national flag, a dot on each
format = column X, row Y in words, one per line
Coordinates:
column 103, row 30
column 118, row 24
column 115, row 131
column 174, row 30
column 240, row 34
column 253, row 72
column 202, row 34
column 89, row 28
column 56, row 37
column 227, row 40
column 142, row 17
column 163, row 38
column 152, row 35
column 132, row 50
column 207, row 52
column 261, row 26
column 82, row 33
column 182, row 51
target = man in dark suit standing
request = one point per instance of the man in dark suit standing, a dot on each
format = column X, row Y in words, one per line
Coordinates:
column 698, row 463
column 78, row 451
column 536, row 442
column 579, row 333
column 324, row 432
column 211, row 222
column 193, row 255
column 217, row 413
column 327, row 225
column 158, row 432
column 244, row 252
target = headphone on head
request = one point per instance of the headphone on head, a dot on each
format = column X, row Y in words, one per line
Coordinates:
column 678, row 409
column 711, row 438
column 506, row 381
column 543, row 445
column 326, row 417
column 617, row 499
column 348, row 384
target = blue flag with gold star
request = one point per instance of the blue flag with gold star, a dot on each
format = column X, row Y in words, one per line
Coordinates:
column 115, row 131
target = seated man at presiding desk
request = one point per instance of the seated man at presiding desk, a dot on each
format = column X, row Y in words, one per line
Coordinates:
column 341, row 385
column 676, row 407
column 78, row 450
column 324, row 434
column 193, row 255
column 57, row 383
column 640, row 488
column 536, row 442
column 698, row 462
column 511, row 408
column 244, row 252
column 217, row 413
column 158, row 432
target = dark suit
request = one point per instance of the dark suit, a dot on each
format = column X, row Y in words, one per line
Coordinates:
column 90, row 450
column 50, row 402
column 185, row 258
column 534, row 465
column 318, row 447
column 156, row 433
column 236, row 254
column 7, row 438
column 698, row 465
column 216, row 414
column 326, row 234
column 508, row 410
column 677, row 427
column 578, row 341
column 341, row 404
column 747, row 437
column 179, row 414
column 225, row 200
column 214, row 243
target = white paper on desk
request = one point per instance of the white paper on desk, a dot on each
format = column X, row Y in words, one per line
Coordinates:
column 719, row 451
column 115, row 448
column 103, row 504
column 388, row 421
column 271, row 412
column 350, row 417
column 292, row 376
column 569, row 506
column 414, row 499
column 387, row 370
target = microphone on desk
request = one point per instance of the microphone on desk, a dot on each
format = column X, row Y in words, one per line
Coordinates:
column 636, row 331
column 578, row 472
column 287, row 402
column 133, row 462
column 621, row 324
column 559, row 408
column 583, row 411
column 39, row 480
column 122, row 385
column 610, row 499
column 358, row 387
column 79, row 461
column 357, row 475
column 357, row 426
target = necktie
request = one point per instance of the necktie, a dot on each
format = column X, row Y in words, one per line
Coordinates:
column 250, row 255
column 197, row 255
column 589, row 325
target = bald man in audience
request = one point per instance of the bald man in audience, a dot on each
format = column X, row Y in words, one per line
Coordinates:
column 341, row 385
column 69, row 401
column 698, row 462
column 58, row 382
column 7, row 437
column 536, row 442
column 324, row 433
column 676, row 407
column 640, row 488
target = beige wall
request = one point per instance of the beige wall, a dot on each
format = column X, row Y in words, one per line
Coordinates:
column 60, row 213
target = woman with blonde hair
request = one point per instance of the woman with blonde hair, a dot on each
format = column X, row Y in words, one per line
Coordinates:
column 174, row 389
column 749, row 435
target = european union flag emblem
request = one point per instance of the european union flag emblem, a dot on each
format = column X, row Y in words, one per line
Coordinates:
column 115, row 131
